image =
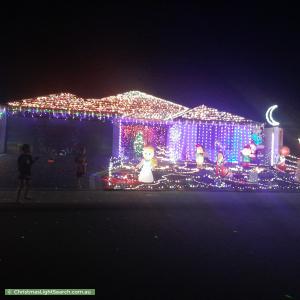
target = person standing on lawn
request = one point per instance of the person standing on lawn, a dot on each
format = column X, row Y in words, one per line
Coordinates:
column 25, row 162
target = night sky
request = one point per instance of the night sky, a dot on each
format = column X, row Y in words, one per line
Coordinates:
column 238, row 59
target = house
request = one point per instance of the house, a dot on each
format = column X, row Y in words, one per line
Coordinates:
column 127, row 120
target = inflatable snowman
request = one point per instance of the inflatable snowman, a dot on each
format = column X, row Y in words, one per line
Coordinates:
column 146, row 165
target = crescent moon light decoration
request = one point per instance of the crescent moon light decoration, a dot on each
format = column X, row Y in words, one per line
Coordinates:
column 269, row 116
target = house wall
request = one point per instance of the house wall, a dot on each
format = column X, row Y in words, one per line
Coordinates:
column 59, row 139
column 116, row 139
column 181, row 138
column 2, row 130
column 125, row 134
column 273, row 143
column 230, row 138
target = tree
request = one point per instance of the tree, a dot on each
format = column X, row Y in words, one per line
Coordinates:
column 138, row 143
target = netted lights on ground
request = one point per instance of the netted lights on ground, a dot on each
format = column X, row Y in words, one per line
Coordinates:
column 182, row 175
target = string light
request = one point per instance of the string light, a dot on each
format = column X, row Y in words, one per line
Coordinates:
column 269, row 116
column 133, row 104
column 182, row 176
column 205, row 113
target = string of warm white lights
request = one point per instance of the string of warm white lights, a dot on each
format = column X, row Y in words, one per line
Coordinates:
column 131, row 105
column 211, row 114
column 293, row 157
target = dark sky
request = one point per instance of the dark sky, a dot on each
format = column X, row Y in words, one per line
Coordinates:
column 239, row 59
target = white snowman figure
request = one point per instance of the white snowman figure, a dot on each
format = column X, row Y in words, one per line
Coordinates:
column 147, row 164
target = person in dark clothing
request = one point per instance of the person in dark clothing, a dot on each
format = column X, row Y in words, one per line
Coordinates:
column 81, row 164
column 25, row 162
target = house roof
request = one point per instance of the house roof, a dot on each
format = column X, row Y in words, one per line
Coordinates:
column 133, row 105
column 62, row 101
column 138, row 105
column 204, row 113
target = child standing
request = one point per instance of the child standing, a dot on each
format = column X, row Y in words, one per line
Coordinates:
column 81, row 164
column 25, row 162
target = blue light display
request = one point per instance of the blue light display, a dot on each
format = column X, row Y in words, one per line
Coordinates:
column 229, row 138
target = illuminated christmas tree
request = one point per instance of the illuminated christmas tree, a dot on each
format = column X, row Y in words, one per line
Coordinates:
column 138, row 144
